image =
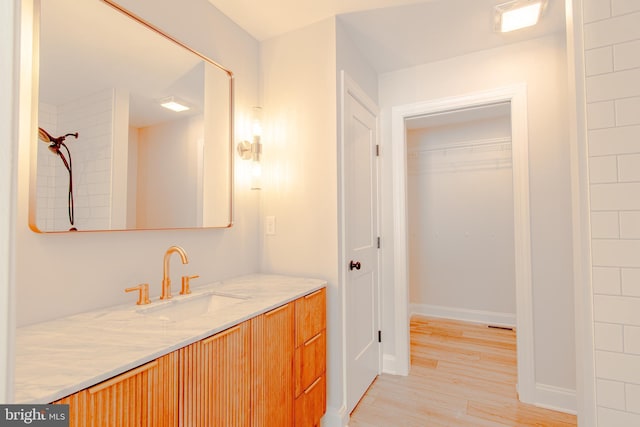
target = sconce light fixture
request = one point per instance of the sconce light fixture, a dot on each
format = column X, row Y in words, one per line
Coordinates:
column 252, row 150
column 517, row 14
column 173, row 104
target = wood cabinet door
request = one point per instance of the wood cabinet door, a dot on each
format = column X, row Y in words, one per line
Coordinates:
column 311, row 316
column 310, row 362
column 78, row 412
column 144, row 396
column 216, row 376
column 273, row 344
column 311, row 405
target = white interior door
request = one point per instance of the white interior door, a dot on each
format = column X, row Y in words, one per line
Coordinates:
column 361, row 251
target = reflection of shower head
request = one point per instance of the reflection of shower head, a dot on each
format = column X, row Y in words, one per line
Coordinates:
column 54, row 146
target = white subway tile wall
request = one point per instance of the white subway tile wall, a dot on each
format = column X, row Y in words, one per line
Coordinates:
column 92, row 118
column 613, row 394
column 46, row 172
column 601, row 115
column 612, row 72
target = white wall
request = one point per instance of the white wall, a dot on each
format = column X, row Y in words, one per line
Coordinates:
column 8, row 131
column 164, row 149
column 460, row 221
column 300, row 170
column 612, row 72
column 350, row 59
column 549, row 179
column 58, row 275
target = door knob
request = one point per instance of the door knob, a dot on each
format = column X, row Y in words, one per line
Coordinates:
column 355, row 265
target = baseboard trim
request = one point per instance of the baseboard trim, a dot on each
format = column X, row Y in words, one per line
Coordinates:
column 389, row 364
column 556, row 398
column 335, row 417
column 474, row 316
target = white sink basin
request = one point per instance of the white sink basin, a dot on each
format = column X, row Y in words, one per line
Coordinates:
column 186, row 308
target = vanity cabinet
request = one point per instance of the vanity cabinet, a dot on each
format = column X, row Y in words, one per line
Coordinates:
column 267, row 371
column 144, row 396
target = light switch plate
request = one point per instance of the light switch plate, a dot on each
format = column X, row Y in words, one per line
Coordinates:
column 270, row 225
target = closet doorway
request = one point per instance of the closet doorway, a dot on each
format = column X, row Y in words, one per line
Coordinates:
column 460, row 215
column 407, row 119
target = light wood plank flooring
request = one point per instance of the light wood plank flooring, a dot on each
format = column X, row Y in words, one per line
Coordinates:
column 462, row 375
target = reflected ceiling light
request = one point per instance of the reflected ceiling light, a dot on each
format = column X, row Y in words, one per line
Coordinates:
column 518, row 14
column 173, row 104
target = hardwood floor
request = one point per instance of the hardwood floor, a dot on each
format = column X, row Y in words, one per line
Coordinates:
column 462, row 375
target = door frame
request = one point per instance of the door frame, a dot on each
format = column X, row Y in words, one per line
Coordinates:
column 349, row 87
column 516, row 95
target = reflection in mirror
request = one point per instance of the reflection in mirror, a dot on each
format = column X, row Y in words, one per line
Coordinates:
column 137, row 164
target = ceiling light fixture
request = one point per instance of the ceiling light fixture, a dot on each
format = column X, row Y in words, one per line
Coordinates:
column 518, row 14
column 173, row 104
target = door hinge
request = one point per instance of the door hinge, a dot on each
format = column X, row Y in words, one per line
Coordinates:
column 379, row 336
column 378, row 242
column 378, row 150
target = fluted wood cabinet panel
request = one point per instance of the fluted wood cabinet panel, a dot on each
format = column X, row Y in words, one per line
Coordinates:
column 143, row 396
column 216, row 376
column 311, row 316
column 273, row 347
column 78, row 412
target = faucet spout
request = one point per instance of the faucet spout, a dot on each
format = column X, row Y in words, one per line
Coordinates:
column 166, row 277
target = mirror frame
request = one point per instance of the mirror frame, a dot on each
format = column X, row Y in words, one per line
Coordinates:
column 155, row 29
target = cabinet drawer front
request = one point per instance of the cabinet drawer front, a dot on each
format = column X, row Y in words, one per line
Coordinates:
column 310, row 362
column 310, row 406
column 310, row 316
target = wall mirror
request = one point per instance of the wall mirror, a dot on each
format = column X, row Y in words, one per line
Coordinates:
column 134, row 164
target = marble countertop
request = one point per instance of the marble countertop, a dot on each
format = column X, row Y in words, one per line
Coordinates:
column 57, row 358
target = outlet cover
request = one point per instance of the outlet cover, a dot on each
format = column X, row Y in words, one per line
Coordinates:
column 270, row 225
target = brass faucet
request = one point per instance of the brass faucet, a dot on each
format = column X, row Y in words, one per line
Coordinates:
column 166, row 279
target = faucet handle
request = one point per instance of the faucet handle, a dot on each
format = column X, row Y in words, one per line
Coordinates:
column 185, row 284
column 143, row 295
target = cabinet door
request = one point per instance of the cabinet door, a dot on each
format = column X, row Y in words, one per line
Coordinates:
column 272, row 396
column 216, row 375
column 144, row 396
column 311, row 316
column 78, row 412
column 311, row 405
column 310, row 362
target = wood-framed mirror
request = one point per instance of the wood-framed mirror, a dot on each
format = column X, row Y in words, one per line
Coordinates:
column 134, row 164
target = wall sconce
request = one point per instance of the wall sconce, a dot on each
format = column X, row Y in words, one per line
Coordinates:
column 253, row 150
column 517, row 14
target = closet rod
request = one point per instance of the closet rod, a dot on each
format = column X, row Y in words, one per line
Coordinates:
column 466, row 144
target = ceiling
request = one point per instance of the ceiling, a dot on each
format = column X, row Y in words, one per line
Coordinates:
column 394, row 34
